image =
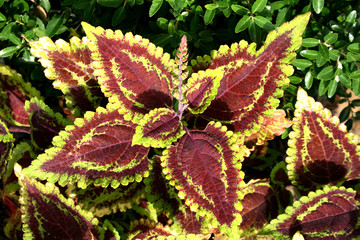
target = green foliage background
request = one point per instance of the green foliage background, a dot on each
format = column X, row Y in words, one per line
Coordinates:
column 327, row 63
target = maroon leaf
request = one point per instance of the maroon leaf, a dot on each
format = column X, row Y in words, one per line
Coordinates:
column 45, row 124
column 256, row 204
column 70, row 65
column 205, row 167
column 48, row 215
column 320, row 149
column 131, row 71
column 331, row 213
column 14, row 91
column 254, row 79
column 97, row 149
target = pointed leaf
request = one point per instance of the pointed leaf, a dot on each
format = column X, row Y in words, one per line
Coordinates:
column 320, row 150
column 254, row 79
column 47, row 214
column 6, row 145
column 132, row 71
column 104, row 201
column 256, row 204
column 45, row 124
column 70, row 65
column 272, row 126
column 201, row 89
column 14, row 91
column 159, row 128
column 205, row 167
column 331, row 213
column 97, row 149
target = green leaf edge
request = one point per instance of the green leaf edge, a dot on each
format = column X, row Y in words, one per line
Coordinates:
column 305, row 102
column 109, row 209
column 158, row 52
column 139, row 139
column 304, row 199
column 15, row 79
column 210, row 219
column 40, row 103
column 194, row 82
column 63, row 179
column 49, row 188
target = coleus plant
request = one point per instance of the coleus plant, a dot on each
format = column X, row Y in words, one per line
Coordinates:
column 164, row 143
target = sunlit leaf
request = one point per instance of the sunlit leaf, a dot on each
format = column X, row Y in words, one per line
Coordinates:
column 14, row 91
column 159, row 128
column 70, row 65
column 320, row 150
column 254, row 79
column 205, row 167
column 132, row 72
column 96, row 149
column 324, row 214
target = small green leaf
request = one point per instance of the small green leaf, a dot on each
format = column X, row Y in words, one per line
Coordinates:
column 243, row 24
column 119, row 16
column 355, row 74
column 239, row 9
column 14, row 39
column 264, row 23
column 209, row 16
column 53, row 26
column 356, row 102
column 155, row 6
column 344, row 114
column 323, row 55
column 110, row 3
column 8, row 51
column 331, row 38
column 211, row 6
column 308, row 79
column 332, row 88
column 354, row 47
column 350, row 19
column 310, row 42
column 326, row 73
column 309, row 54
column 345, row 80
column 318, row 5
column 2, row 17
column 352, row 57
column 334, row 54
column 295, row 80
column 323, row 87
column 45, row 4
column 356, row 86
column 301, row 64
column 258, row 6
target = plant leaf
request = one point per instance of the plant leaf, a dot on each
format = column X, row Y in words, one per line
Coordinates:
column 272, row 126
column 320, row 150
column 256, row 204
column 6, row 145
column 71, row 67
column 45, row 124
column 159, row 128
column 133, row 73
column 254, row 79
column 14, row 91
column 45, row 212
column 328, row 213
column 201, row 89
column 96, row 149
column 104, row 201
column 205, row 167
